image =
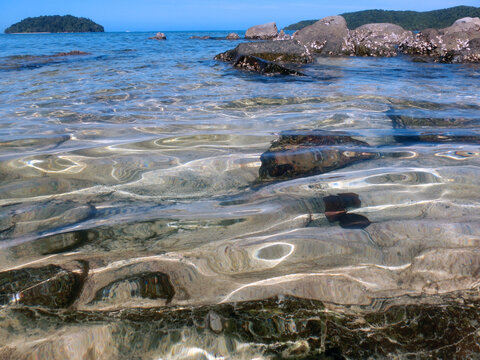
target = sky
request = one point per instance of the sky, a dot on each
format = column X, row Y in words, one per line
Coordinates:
column 174, row 15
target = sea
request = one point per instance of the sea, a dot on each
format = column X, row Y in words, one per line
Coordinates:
column 135, row 222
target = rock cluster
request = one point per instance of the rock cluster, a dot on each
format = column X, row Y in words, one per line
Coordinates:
column 457, row 43
column 330, row 36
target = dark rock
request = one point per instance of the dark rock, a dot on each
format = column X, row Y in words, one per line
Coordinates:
column 404, row 122
column 72, row 53
column 336, row 205
column 149, row 285
column 206, row 37
column 353, row 221
column 159, row 36
column 233, row 36
column 297, row 154
column 50, row 286
column 53, row 244
column 379, row 39
column 262, row 32
column 252, row 63
column 288, row 51
column 328, row 36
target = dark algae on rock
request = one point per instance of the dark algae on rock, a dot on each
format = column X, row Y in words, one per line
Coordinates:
column 54, row 24
column 294, row 328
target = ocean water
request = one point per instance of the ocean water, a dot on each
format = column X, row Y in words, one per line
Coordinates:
column 133, row 213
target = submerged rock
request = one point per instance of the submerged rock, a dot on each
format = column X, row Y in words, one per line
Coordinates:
column 159, row 36
column 444, row 327
column 155, row 285
column 206, row 37
column 262, row 32
column 72, row 53
column 336, row 209
column 379, row 39
column 50, row 286
column 328, row 36
column 405, row 122
column 297, row 154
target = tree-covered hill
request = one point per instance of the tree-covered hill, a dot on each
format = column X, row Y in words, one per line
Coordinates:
column 410, row 20
column 54, row 24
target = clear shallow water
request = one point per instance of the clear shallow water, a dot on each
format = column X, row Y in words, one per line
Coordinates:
column 136, row 168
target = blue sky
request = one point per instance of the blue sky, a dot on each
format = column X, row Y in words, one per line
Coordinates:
column 166, row 15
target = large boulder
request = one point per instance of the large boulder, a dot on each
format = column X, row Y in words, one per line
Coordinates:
column 446, row 44
column 262, row 32
column 328, row 36
column 381, row 39
column 288, row 51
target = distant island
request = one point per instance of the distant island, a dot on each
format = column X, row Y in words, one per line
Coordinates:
column 409, row 20
column 54, row 24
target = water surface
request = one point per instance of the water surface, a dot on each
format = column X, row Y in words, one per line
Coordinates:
column 136, row 169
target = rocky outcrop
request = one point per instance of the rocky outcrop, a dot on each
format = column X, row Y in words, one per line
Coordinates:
column 233, row 36
column 455, row 43
column 380, row 39
column 328, row 36
column 262, row 32
column 159, row 36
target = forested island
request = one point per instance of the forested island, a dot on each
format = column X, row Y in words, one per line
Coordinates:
column 54, row 24
column 409, row 20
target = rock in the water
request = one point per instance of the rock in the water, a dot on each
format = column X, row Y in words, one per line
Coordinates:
column 328, row 36
column 288, row 51
column 282, row 36
column 379, row 39
column 336, row 209
column 50, row 286
column 72, row 53
column 233, row 36
column 298, row 154
column 455, row 43
column 151, row 285
column 159, row 36
column 206, row 37
column 262, row 32
column 255, row 64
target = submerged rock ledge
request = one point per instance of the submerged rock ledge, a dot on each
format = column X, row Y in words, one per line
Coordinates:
column 280, row 328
